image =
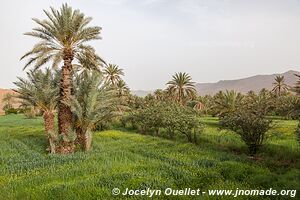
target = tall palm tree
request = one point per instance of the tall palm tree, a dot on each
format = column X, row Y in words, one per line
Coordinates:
column 40, row 90
column 182, row 87
column 63, row 38
column 113, row 74
column 279, row 85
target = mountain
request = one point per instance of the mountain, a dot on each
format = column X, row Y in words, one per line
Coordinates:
column 255, row 83
column 141, row 93
column 244, row 85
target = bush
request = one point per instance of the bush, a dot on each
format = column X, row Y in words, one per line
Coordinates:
column 11, row 111
column 171, row 117
column 252, row 127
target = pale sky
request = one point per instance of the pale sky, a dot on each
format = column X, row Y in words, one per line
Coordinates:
column 152, row 39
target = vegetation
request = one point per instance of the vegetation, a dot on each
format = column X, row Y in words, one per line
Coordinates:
column 92, row 103
column 251, row 126
column 122, row 159
column 63, row 38
column 113, row 74
column 40, row 90
column 279, row 85
column 181, row 87
column 192, row 141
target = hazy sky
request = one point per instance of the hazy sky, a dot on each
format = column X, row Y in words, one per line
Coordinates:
column 153, row 39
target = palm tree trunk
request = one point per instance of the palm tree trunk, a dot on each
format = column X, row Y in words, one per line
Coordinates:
column 65, row 117
column 49, row 128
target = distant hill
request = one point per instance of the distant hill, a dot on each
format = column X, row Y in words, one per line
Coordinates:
column 141, row 93
column 255, row 83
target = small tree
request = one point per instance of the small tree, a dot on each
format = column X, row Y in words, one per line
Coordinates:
column 40, row 90
column 93, row 102
column 252, row 127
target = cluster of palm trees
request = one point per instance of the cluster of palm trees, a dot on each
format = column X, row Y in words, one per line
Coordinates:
column 63, row 41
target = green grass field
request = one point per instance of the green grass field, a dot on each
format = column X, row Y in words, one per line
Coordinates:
column 123, row 159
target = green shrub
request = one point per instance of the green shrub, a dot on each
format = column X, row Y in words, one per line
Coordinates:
column 11, row 111
column 252, row 128
column 171, row 117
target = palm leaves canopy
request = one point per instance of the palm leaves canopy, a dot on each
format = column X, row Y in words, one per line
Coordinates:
column 122, row 88
column 279, row 85
column 63, row 36
column 113, row 74
column 39, row 90
column 182, row 87
column 227, row 102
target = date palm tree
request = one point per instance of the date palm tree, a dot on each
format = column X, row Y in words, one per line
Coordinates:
column 279, row 85
column 227, row 102
column 122, row 88
column 40, row 90
column 63, row 38
column 182, row 87
column 113, row 74
column 159, row 94
column 93, row 102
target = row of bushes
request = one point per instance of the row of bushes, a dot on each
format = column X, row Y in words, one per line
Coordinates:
column 171, row 118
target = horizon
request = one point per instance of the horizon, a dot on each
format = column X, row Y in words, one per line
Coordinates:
column 154, row 38
column 241, row 78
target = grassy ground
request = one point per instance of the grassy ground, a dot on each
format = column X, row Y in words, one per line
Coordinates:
column 123, row 159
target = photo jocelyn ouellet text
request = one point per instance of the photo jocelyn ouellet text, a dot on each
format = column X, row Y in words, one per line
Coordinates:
column 197, row 192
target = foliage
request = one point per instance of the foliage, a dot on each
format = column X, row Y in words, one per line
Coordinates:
column 93, row 103
column 63, row 37
column 279, row 85
column 250, row 125
column 8, row 101
column 226, row 102
column 64, row 34
column 171, row 117
column 11, row 111
column 40, row 90
column 112, row 74
column 126, row 160
column 298, row 132
column 296, row 88
column 182, row 87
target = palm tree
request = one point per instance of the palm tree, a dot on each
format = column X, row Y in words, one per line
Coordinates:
column 182, row 87
column 159, row 94
column 297, row 86
column 40, row 90
column 113, row 74
column 279, row 85
column 122, row 88
column 227, row 102
column 63, row 37
column 92, row 103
